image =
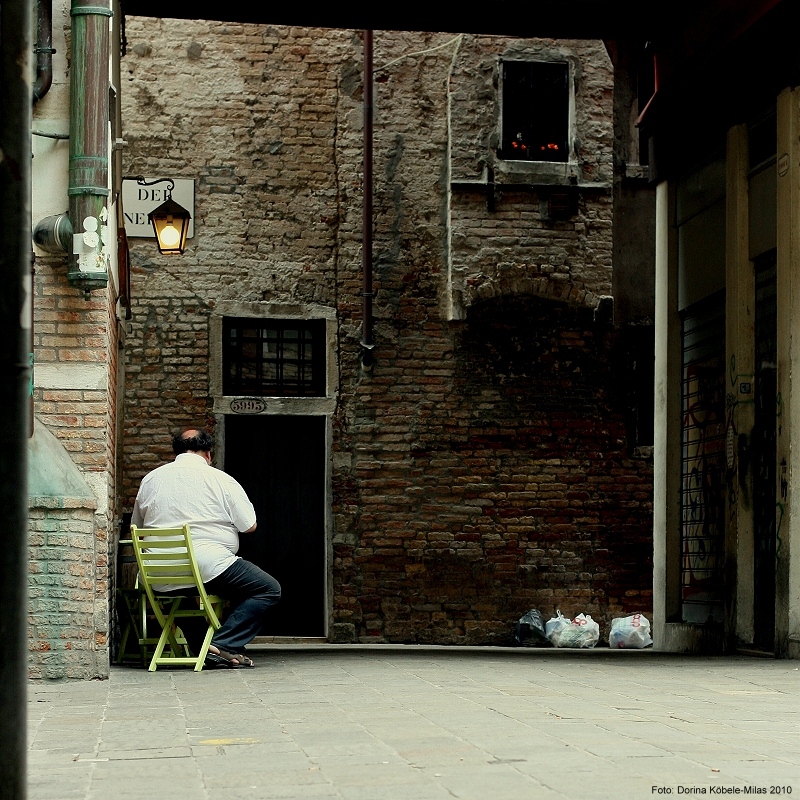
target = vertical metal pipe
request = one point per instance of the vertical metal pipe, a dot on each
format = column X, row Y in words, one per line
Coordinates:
column 367, row 344
column 43, row 49
column 16, row 48
column 88, row 140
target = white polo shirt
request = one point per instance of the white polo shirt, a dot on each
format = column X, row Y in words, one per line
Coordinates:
column 214, row 505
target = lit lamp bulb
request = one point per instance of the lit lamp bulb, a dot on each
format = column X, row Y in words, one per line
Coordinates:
column 170, row 225
column 170, row 236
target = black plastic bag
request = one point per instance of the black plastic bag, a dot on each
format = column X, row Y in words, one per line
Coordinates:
column 529, row 630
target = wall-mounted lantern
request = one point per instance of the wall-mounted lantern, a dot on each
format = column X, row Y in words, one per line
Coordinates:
column 170, row 221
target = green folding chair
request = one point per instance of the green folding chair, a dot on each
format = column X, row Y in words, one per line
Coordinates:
column 133, row 641
column 165, row 557
column 136, row 644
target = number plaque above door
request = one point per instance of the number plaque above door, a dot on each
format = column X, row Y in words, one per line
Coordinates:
column 248, row 405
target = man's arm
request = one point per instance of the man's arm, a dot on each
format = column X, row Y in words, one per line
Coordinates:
column 137, row 518
column 242, row 513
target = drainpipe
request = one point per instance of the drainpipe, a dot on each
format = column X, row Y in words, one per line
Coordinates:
column 88, row 145
column 367, row 344
column 16, row 49
column 43, row 49
column 55, row 233
column 646, row 109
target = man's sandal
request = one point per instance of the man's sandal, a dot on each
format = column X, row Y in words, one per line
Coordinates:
column 227, row 660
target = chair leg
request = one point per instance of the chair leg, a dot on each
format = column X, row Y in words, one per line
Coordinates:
column 217, row 606
column 132, row 648
column 123, row 644
column 162, row 641
column 146, row 641
column 126, row 632
column 201, row 658
column 167, row 636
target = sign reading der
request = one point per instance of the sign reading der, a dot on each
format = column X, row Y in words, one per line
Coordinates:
column 138, row 201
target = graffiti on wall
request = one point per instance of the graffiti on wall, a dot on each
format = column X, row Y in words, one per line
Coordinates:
column 704, row 460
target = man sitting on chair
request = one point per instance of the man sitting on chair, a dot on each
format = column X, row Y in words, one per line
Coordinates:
column 216, row 508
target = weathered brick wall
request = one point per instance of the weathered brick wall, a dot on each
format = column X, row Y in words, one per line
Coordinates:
column 73, row 491
column 482, row 467
column 493, row 477
column 254, row 123
column 475, row 100
column 75, row 352
column 72, row 330
column 68, row 618
column 166, row 377
column 516, row 252
column 112, row 409
column 514, row 249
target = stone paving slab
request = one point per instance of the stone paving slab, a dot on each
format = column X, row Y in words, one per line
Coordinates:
column 384, row 723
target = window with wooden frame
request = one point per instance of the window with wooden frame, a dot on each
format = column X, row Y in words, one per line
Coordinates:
column 273, row 357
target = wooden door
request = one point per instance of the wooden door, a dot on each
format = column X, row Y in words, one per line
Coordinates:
column 280, row 462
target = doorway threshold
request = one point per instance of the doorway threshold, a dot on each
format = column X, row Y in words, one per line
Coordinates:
column 292, row 640
column 320, row 644
column 755, row 652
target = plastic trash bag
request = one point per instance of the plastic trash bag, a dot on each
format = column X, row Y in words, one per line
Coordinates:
column 529, row 630
column 582, row 631
column 555, row 625
column 631, row 632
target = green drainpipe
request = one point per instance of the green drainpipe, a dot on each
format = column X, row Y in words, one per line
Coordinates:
column 88, row 146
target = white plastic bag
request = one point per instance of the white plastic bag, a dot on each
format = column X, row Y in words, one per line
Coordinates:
column 582, row 631
column 631, row 632
column 554, row 626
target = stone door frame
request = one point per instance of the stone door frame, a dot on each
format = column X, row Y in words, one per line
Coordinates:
column 301, row 406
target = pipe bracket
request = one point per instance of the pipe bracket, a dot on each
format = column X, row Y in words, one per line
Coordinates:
column 81, row 190
column 100, row 11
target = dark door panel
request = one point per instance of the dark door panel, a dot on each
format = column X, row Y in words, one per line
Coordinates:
column 280, row 462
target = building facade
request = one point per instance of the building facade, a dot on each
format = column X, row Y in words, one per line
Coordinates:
column 493, row 457
column 727, row 569
column 492, row 451
column 76, row 317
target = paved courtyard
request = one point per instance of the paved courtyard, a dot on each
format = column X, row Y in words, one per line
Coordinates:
column 388, row 723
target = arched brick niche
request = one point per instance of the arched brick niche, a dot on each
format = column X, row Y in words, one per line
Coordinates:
column 519, row 281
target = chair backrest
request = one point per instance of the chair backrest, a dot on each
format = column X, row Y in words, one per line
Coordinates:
column 165, row 557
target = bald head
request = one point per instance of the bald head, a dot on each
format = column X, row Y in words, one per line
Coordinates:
column 192, row 441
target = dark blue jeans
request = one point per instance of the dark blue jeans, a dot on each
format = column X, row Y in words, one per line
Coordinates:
column 250, row 591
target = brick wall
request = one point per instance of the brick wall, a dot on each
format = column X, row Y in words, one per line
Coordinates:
column 514, row 248
column 67, row 633
column 75, row 352
column 74, row 451
column 483, row 466
column 71, row 330
column 253, row 101
column 494, row 476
